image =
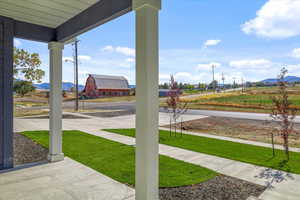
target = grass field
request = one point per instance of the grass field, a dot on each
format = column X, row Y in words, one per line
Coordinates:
column 235, row 151
column 252, row 100
column 117, row 160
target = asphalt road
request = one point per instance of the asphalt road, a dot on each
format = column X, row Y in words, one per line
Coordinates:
column 130, row 106
column 238, row 115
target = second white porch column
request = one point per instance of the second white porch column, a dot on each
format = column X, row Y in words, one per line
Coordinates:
column 147, row 102
column 55, row 143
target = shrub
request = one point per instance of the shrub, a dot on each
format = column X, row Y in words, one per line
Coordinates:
column 23, row 87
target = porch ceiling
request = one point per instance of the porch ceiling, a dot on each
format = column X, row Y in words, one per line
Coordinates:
column 60, row 20
column 50, row 13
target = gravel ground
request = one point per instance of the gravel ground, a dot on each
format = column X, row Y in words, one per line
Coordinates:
column 218, row 188
column 27, row 151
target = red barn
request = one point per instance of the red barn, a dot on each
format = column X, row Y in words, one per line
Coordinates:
column 103, row 86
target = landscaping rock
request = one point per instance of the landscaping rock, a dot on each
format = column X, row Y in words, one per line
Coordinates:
column 218, row 188
column 27, row 151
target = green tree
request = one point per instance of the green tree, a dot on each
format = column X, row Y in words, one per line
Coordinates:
column 213, row 84
column 28, row 64
column 283, row 112
column 23, row 87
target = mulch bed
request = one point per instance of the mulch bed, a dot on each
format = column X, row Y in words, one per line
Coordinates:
column 218, row 188
column 27, row 151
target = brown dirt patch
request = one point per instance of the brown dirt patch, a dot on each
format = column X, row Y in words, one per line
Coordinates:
column 255, row 130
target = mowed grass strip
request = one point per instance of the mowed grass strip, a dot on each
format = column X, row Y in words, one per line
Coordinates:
column 117, row 160
column 252, row 99
column 261, row 156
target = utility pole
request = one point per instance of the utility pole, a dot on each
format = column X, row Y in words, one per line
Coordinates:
column 76, row 74
column 223, row 80
column 75, row 63
column 213, row 76
column 213, row 72
column 233, row 82
column 243, row 85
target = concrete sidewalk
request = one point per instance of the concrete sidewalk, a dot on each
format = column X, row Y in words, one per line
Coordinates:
column 65, row 180
column 128, row 121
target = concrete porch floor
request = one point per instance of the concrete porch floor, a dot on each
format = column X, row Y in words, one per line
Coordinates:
column 65, row 180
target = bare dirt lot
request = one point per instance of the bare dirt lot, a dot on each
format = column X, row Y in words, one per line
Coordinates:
column 255, row 130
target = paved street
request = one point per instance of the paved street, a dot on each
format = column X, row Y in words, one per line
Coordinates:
column 239, row 115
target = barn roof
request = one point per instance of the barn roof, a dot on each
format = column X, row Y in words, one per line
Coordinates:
column 110, row 82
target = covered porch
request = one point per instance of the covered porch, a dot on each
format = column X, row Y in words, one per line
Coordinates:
column 55, row 23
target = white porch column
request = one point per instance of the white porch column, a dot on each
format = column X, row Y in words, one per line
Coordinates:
column 55, row 142
column 147, row 103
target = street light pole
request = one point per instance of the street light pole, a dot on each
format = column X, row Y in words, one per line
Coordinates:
column 76, row 75
column 75, row 42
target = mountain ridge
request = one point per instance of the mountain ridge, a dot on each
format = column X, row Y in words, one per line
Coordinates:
column 65, row 86
column 289, row 79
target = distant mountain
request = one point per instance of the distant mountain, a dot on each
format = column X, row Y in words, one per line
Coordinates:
column 65, row 86
column 289, row 79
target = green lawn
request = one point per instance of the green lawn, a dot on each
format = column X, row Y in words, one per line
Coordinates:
column 117, row 160
column 235, row 151
column 246, row 99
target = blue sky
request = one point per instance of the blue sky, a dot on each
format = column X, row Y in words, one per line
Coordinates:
column 249, row 39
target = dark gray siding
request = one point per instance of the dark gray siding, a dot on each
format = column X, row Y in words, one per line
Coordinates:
column 6, row 93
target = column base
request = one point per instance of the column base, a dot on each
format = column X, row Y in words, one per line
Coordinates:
column 55, row 157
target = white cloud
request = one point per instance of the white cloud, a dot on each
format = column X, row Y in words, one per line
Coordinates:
column 277, row 19
column 84, row 58
column 108, row 48
column 207, row 66
column 182, row 74
column 122, row 50
column 293, row 68
column 80, row 58
column 84, row 72
column 211, row 43
column 251, row 64
column 17, row 43
column 130, row 60
column 68, row 59
column 296, row 53
column 185, row 77
column 126, row 51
